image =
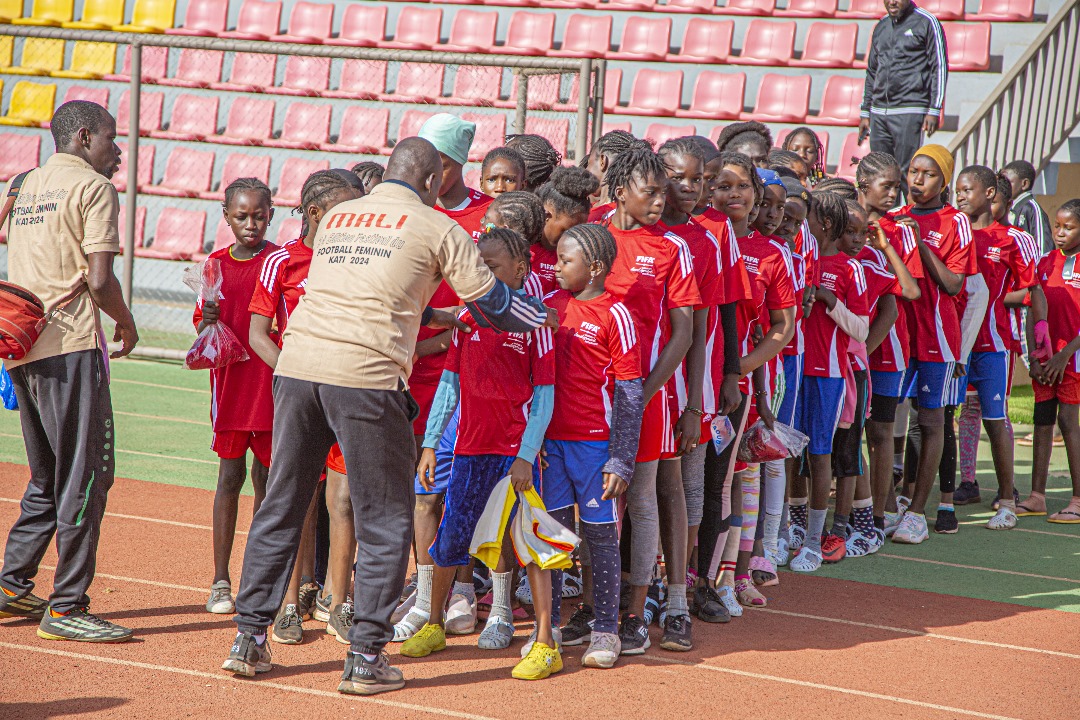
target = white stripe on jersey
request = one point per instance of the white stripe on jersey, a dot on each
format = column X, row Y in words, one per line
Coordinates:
column 716, row 248
column 963, row 228
column 268, row 274
column 910, row 243
column 624, row 321
column 544, row 340
column 533, row 286
column 686, row 258
column 1029, row 250
column 786, row 253
column 860, row 278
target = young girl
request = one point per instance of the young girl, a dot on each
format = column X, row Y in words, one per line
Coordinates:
column 804, row 142
column 503, row 170
column 522, row 212
column 540, row 156
column 242, row 413
column 565, row 198
column 601, row 154
column 785, row 159
column 370, row 174
column 751, row 139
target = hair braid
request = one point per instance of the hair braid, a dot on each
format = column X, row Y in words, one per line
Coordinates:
column 744, row 132
column 840, row 186
column 247, row 184
column 523, row 212
column 515, row 244
column 682, row 146
column 597, row 243
column 873, row 165
column 569, row 189
column 368, row 171
column 540, row 157
column 319, row 184
column 639, row 161
column 832, row 207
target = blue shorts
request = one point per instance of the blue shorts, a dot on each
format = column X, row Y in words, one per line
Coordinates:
column 988, row 373
column 886, row 383
column 575, row 475
column 820, row 404
column 793, row 375
column 444, row 458
column 472, row 479
column 932, row 383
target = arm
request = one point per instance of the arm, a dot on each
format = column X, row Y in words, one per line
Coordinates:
column 883, row 323
column 730, row 396
column 908, row 286
column 505, row 310
column 688, row 427
column 626, row 413
column 543, row 403
column 260, row 342
column 442, row 408
column 1042, row 347
column 974, row 312
column 761, row 397
column 857, row 327
column 780, row 333
column 434, row 345
column 682, row 334
column 938, row 67
column 105, row 291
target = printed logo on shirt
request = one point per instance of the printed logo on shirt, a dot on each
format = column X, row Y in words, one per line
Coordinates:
column 515, row 342
column 993, row 254
column 828, row 279
column 909, row 33
column 645, row 265
column 587, row 332
column 933, row 238
column 751, row 264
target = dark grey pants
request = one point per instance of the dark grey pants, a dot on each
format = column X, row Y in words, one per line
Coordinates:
column 375, row 433
column 67, row 424
column 898, row 135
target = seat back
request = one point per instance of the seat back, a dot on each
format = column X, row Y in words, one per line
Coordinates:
column 710, row 38
column 363, row 77
column 155, row 14
column 483, row 84
column 42, row 54
column 842, row 99
column 554, row 130
column 201, row 66
column 179, row 232
column 99, row 96
column 289, row 230
column 93, row 57
column 851, row 150
column 719, row 93
column 646, row 36
column 259, row 17
column 32, row 102
column 150, row 107
column 311, row 20
column 254, row 69
column 419, row 79
column 11, row 9
column 587, row 34
column 410, row 123
column 812, row 8
column 194, row 114
column 364, row 22
column 490, row 133
column 145, row 170
column 783, row 98
column 364, row 126
column 303, row 72
column 831, row 42
column 109, row 13
column 206, row 15
column 250, row 118
column 53, row 12
column 969, row 45
column 753, row 7
column 21, row 152
column 657, row 90
column 769, row 40
column 474, row 28
column 419, row 26
column 155, row 62
column 188, row 169
column 532, row 30
column 140, row 225
column 294, row 172
column 239, row 165
column 944, row 9
column 306, row 123
column 660, row 133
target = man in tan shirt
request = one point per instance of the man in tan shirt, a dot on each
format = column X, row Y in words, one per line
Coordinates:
column 62, row 237
column 342, row 375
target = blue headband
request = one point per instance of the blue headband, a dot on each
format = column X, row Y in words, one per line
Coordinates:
column 769, row 177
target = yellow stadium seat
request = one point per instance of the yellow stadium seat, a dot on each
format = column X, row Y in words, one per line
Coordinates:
column 99, row 15
column 7, row 49
column 40, row 56
column 49, row 12
column 150, row 16
column 31, row 104
column 10, row 9
column 89, row 61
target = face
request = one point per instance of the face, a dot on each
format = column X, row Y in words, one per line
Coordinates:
column 499, row 176
column 852, row 240
column 685, row 179
column 770, row 210
column 756, row 151
column 805, row 146
column 451, row 175
column 794, row 214
column 881, row 192
column 643, row 198
column 572, row 271
column 248, row 216
column 557, row 223
column 999, row 208
column 1018, row 183
column 101, row 150
column 896, row 8
column 734, row 193
column 315, row 212
column 972, row 197
column 498, row 260
column 597, row 164
column 925, row 181
column 708, row 182
column 1067, row 231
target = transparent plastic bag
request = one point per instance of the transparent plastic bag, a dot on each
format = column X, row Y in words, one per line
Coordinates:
column 722, row 432
column 759, row 444
column 217, row 345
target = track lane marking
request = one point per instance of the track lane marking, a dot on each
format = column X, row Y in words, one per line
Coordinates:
column 162, row 418
column 140, row 453
column 977, row 567
column 158, row 385
column 174, row 523
column 139, row 581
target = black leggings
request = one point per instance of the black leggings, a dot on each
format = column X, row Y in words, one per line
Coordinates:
column 947, row 466
column 713, row 521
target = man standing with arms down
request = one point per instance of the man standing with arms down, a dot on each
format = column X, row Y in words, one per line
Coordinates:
column 62, row 238
column 341, row 375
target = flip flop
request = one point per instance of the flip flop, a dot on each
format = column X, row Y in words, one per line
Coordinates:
column 1024, row 511
column 1068, row 516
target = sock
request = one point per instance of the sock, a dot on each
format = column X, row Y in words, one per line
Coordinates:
column 785, row 522
column 946, row 506
column 815, row 526
column 259, row 639
column 691, row 577
column 500, row 596
column 1010, row 503
column 798, row 511
column 879, row 523
column 466, row 590
column 864, row 517
column 772, row 532
column 424, row 575
column 676, row 600
column 839, row 528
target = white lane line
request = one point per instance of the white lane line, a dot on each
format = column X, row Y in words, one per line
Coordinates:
column 155, row 583
column 983, row 569
column 222, row 677
column 174, row 523
column 830, row 688
column 141, row 454
column 1074, row 536
column 163, row 387
column 163, row 418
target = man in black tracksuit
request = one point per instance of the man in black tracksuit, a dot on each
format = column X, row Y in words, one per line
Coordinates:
column 906, row 73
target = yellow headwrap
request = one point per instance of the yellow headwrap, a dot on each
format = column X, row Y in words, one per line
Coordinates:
column 943, row 158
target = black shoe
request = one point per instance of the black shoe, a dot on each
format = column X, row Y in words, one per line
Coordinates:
column 309, row 591
column 364, row 677
column 966, row 494
column 624, row 596
column 29, row 606
column 634, row 635
column 677, row 634
column 709, row 607
column 579, row 628
column 288, row 627
column 947, row 523
column 82, row 626
column 997, row 499
column 324, row 605
column 341, row 622
column 248, row 657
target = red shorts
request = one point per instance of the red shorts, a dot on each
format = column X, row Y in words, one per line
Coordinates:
column 231, row 444
column 657, row 440
column 424, row 395
column 335, row 460
column 1066, row 391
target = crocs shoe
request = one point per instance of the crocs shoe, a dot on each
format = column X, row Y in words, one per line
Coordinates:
column 496, row 635
column 409, row 625
column 524, row 592
column 783, row 553
column 797, row 534
column 1005, row 519
column 400, row 611
column 806, row 561
column 727, row 596
column 858, row 545
column 556, row 636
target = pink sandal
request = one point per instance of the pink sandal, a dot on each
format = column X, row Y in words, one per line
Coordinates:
column 763, row 567
column 747, row 594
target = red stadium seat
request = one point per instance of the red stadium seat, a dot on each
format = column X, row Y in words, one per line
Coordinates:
column 417, row 83
column 477, row 86
column 361, row 80
column 304, row 75
column 768, row 42
column 631, row 5
column 308, row 23
column 238, row 165
column 150, row 105
column 586, row 36
column 258, row 21
column 410, row 123
column 193, row 117
column 750, row 7
column 969, row 46
column 306, row 127
column 944, row 9
column 196, row 69
column 1005, row 11
column 697, row 7
column 544, row 93
column 187, row 173
column 203, row 17
column 808, row 8
column 178, row 236
column 822, row 136
column 829, row 44
column 363, row 26
column 660, row 133
column 863, row 10
column 717, row 96
column 472, row 32
column 98, row 95
column 294, row 172
column 644, row 39
column 145, row 169
column 417, row 29
column 705, row 41
column 251, row 121
column 529, row 33
column 289, row 230
column 840, row 102
column 223, row 238
column 655, row 93
column 850, row 155
column 782, row 99
column 490, row 133
column 363, row 131
column 612, row 89
column 140, row 226
column 555, row 130
column 21, row 152
column 155, row 63
column 251, row 73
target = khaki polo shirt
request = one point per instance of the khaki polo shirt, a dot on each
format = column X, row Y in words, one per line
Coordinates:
column 377, row 261
column 65, row 211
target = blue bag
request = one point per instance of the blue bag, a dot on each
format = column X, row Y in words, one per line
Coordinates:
column 7, row 390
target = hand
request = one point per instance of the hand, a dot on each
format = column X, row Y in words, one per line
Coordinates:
column 1036, row 370
column 1043, row 346
column 687, row 432
column 756, row 334
column 910, row 223
column 876, row 236
column 614, row 486
column 425, row 469
column 543, row 458
column 521, row 475
column 552, row 320
column 1054, row 369
column 930, row 124
column 825, row 295
column 128, row 336
column 730, row 396
column 764, row 410
column 959, row 370
column 447, row 320
column 211, row 313
column 864, row 129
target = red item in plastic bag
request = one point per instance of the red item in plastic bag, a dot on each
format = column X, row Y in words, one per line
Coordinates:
column 217, row 345
column 760, row 444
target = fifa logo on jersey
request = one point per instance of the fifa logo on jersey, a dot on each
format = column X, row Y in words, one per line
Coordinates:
column 933, row 237
column 645, row 265
column 587, row 332
column 515, row 342
column 993, row 254
column 751, row 264
column 828, row 279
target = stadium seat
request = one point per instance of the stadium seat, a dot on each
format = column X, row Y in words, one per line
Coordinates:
column 529, row 33
column 490, row 133
column 822, row 136
column 544, row 93
column 251, row 121
column 306, row 127
column 98, row 15
column 417, row 83
column 768, row 42
column 203, row 18
column 290, row 230
column 309, row 23
column 1003, row 11
column 586, row 36
column 808, row 9
column 7, row 51
column 410, row 123
column 969, row 46
column 145, row 169
column 782, row 99
column 193, row 118
column 472, row 178
column 829, row 44
column 30, row 104
column 656, row 93
column 363, row 131
column 238, row 165
column 630, row 5
column 697, row 7
column 850, row 154
column 258, row 20
column 644, row 39
column 863, row 10
column 944, row 10
column 472, row 32
column 178, row 235
column 89, row 61
column 99, row 95
column 40, row 56
column 21, row 152
column 479, row 86
column 612, row 90
column 360, row 80
column 294, row 171
column 555, row 130
column 10, row 9
column 155, row 63
column 304, row 75
column 660, row 133
column 611, row 126
column 150, row 106
column 840, row 102
column 48, row 13
column 223, row 238
column 363, row 26
column 705, row 41
column 717, row 96
column 187, row 173
column 750, row 7
column 150, row 16
column 251, row 73
column 140, row 226
column 417, row 29
column 196, row 69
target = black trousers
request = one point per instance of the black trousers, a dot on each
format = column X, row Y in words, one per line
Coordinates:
column 717, row 467
column 898, row 135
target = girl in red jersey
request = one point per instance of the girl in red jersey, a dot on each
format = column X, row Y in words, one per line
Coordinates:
column 523, row 213
column 540, row 156
column 242, row 412
column 503, row 170
column 565, row 198
column 601, row 154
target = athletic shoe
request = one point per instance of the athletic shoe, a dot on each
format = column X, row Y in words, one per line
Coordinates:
column 833, row 548
column 324, row 605
column 677, row 634
column 288, row 627
column 541, row 662
column 340, row 622
column 309, row 592
column 997, row 499
column 404, row 608
column 460, row 616
column 709, row 607
column 221, row 599
column 364, row 677
column 653, row 598
column 912, row 530
column 966, row 494
column 571, row 586
column 496, row 635
column 481, row 583
column 797, row 534
column 634, row 635
column 727, row 596
column 806, row 561
column 1005, row 519
column 30, row 606
column 430, row 638
column 946, row 522
column 556, row 636
column 604, row 650
column 410, row 588
column 878, row 540
column 82, row 626
column 524, row 592
column 892, row 521
column 578, row 629
column 248, row 657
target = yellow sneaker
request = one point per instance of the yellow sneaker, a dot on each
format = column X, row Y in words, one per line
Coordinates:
column 427, row 640
column 541, row 662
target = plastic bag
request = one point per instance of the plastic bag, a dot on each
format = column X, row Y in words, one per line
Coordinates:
column 217, row 345
column 760, row 444
column 7, row 390
column 722, row 432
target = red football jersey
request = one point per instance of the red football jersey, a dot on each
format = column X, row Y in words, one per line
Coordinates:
column 798, row 281
column 735, row 282
column 595, row 345
column 1008, row 258
column 543, row 266
column 1060, row 280
column 880, row 281
column 807, row 246
column 470, row 213
column 282, row 282
column 601, row 212
column 892, row 354
column 826, row 344
column 768, row 263
column 903, row 241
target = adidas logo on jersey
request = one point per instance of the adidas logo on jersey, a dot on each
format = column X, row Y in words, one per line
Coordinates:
column 925, row 388
column 592, row 503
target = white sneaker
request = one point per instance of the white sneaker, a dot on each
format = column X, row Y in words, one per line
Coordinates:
column 727, row 596
column 604, row 650
column 1005, row 519
column 524, row 592
column 403, row 609
column 806, row 561
column 892, row 521
column 556, row 635
column 221, row 599
column 902, row 504
column 911, row 530
column 460, row 616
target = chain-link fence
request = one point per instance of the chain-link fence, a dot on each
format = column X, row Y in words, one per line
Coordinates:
column 210, row 110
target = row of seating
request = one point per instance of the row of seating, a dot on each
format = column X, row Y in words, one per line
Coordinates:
column 179, row 234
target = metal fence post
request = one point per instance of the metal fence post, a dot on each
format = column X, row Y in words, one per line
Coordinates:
column 598, row 99
column 128, row 284
column 581, row 142
column 522, row 108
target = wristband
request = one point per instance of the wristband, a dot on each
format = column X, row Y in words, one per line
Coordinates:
column 694, row 411
column 760, row 393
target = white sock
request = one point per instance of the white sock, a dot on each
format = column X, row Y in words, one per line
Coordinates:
column 424, row 575
column 465, row 589
column 500, row 596
column 772, row 532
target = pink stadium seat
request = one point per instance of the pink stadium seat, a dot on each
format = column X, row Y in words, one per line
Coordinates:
column 187, row 173
column 306, row 127
column 705, row 41
column 308, row 23
column 304, row 75
column 145, row 170
column 1005, row 11
column 822, row 136
column 155, row 62
column 472, row 177
column 258, row 21
column 477, row 86
column 656, row 93
column 203, row 17
column 289, row 230
column 660, row 133
column 363, row 26
column 808, row 8
column 490, row 133
column 178, row 236
column 251, row 73
column 829, row 44
column 140, row 226
column 238, row 165
column 969, row 46
column 363, row 131
column 717, row 96
column 21, row 152
column 555, row 130
column 361, row 80
column 417, row 83
column 611, row 126
column 750, row 7
column 410, row 123
column 223, row 238
column 644, row 39
column 150, row 105
column 196, row 69
column 586, row 36
column 544, row 93
column 697, row 7
column 294, row 172
column 863, row 10
column 612, row 89
column 944, row 9
column 193, row 117
column 768, row 42
column 251, row 121
column 631, row 5
column 840, row 102
column 417, row 29
column 95, row 95
column 850, row 154
column 529, row 33
column 472, row 32
column 782, row 99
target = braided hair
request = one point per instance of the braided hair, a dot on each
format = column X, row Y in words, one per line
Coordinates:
column 817, row 172
column 737, row 159
column 540, row 156
column 369, row 172
column 247, row 184
column 830, row 206
column 707, row 146
column 516, row 246
column 523, row 212
column 854, row 207
column 873, row 165
column 742, row 133
column 504, row 153
column 1072, row 207
column 596, row 242
column 320, row 184
column 1004, row 189
column 682, row 146
column 785, row 159
column 840, row 186
column 612, row 144
column 637, row 161
column 568, row 191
